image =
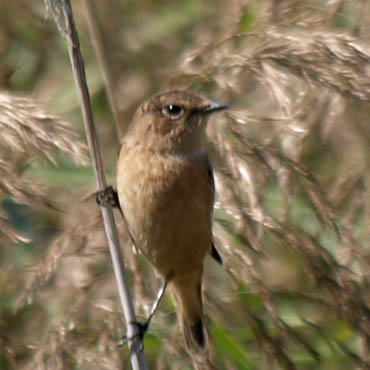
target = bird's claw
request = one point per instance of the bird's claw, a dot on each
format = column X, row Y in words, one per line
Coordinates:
column 108, row 195
column 142, row 329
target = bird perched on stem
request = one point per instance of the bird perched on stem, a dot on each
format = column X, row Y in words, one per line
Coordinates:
column 166, row 191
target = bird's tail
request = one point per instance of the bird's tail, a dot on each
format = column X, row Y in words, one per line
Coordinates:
column 195, row 334
column 196, row 339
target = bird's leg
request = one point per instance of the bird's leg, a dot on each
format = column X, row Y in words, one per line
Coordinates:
column 143, row 327
column 159, row 297
column 108, row 195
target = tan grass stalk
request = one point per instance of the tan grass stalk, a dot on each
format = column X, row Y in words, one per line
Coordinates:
column 138, row 360
column 109, row 83
column 101, row 57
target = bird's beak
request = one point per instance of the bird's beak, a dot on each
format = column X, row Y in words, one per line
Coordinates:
column 215, row 107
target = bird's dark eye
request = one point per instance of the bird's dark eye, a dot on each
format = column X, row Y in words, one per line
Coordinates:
column 172, row 111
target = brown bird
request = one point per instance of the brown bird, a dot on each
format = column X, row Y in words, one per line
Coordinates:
column 166, row 191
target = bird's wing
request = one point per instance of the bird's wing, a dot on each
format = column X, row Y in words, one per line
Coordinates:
column 213, row 252
column 215, row 255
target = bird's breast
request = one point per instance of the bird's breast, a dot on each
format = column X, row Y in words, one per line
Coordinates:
column 167, row 201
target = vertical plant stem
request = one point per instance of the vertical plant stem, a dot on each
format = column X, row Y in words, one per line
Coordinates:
column 101, row 55
column 102, row 60
column 138, row 359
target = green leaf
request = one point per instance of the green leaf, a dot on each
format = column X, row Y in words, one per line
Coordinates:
column 229, row 347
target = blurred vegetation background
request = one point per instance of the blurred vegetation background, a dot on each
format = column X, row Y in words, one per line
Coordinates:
column 291, row 159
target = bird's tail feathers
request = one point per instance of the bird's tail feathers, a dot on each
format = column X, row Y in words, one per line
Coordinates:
column 195, row 334
column 196, row 339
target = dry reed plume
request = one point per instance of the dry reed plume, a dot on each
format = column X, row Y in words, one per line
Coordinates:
column 292, row 218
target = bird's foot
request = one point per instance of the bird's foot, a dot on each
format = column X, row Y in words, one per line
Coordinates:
column 107, row 196
column 142, row 329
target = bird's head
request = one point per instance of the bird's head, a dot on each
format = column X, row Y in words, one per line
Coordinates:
column 172, row 121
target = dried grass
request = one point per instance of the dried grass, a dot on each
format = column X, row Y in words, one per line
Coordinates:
column 291, row 166
column 308, row 81
column 29, row 133
column 28, row 130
